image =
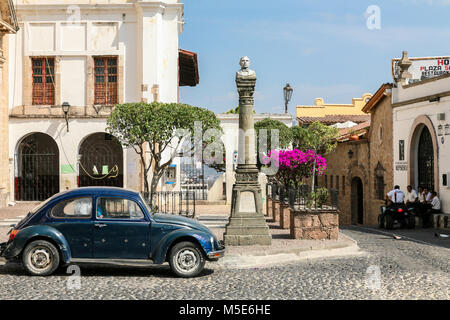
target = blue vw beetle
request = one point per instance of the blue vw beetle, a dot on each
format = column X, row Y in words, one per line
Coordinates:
column 108, row 225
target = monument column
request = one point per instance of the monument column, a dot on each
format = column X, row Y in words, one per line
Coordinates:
column 247, row 225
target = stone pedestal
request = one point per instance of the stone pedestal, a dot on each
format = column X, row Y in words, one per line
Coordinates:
column 276, row 210
column 285, row 216
column 247, row 225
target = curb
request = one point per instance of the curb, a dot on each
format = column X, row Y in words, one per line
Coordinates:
column 280, row 256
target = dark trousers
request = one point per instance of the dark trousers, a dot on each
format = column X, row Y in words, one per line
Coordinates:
column 426, row 217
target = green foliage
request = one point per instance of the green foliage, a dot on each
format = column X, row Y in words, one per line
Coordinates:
column 285, row 134
column 319, row 198
column 317, row 136
column 155, row 125
column 235, row 111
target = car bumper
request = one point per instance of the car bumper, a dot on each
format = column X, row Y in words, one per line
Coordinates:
column 214, row 255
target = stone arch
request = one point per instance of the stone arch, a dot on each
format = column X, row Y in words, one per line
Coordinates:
column 416, row 129
column 358, row 172
column 36, row 168
column 100, row 161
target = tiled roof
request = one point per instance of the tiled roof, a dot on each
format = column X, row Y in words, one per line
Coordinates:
column 336, row 118
column 360, row 130
column 373, row 102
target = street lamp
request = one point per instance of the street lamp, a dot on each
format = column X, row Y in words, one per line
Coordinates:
column 65, row 108
column 287, row 96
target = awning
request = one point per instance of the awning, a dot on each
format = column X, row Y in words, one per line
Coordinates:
column 188, row 68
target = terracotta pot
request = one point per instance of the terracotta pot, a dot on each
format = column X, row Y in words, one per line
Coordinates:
column 354, row 137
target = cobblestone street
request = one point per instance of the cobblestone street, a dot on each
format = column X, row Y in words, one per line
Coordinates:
column 409, row 270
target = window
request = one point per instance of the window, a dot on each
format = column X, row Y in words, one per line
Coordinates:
column 118, row 208
column 105, row 80
column 326, row 181
column 343, row 184
column 331, row 182
column 379, row 187
column 401, row 150
column 337, row 182
column 73, row 208
column 43, row 81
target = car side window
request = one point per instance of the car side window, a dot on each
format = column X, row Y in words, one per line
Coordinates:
column 118, row 208
column 73, row 208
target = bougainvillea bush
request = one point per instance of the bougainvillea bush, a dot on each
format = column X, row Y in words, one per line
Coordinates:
column 295, row 165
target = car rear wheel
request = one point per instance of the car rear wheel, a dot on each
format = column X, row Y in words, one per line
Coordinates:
column 40, row 258
column 388, row 222
column 381, row 222
column 186, row 259
column 411, row 222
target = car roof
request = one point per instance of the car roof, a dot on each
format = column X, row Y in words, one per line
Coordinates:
column 97, row 191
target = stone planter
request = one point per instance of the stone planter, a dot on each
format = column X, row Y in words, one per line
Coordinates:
column 285, row 216
column 314, row 224
column 269, row 207
column 276, row 210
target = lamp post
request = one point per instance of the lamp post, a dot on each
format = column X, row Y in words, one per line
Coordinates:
column 65, row 108
column 287, row 90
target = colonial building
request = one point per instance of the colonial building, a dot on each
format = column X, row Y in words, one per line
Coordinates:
column 70, row 63
column 8, row 25
column 361, row 167
column 330, row 114
column 421, row 131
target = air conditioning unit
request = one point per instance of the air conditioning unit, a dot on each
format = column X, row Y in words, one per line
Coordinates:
column 441, row 116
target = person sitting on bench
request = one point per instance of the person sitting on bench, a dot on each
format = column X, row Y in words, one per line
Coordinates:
column 435, row 208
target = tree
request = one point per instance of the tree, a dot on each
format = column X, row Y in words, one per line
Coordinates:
column 284, row 135
column 157, row 126
column 317, row 137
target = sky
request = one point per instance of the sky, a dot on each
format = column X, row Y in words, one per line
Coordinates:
column 322, row 48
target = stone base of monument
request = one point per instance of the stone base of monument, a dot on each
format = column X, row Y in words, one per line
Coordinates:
column 247, row 225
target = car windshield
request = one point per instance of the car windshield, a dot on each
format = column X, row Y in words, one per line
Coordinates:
column 149, row 210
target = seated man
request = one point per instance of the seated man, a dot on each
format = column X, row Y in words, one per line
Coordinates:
column 411, row 197
column 435, row 207
column 394, row 197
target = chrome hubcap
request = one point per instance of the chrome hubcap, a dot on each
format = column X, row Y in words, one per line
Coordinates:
column 40, row 258
column 186, row 259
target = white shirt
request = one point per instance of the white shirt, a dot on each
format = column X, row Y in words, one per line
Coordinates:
column 421, row 197
column 436, row 203
column 396, row 194
column 411, row 196
column 427, row 199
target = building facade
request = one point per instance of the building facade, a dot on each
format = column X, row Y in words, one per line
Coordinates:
column 333, row 113
column 421, row 133
column 90, row 55
column 361, row 169
column 8, row 26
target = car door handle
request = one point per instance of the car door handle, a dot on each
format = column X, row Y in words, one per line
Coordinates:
column 100, row 225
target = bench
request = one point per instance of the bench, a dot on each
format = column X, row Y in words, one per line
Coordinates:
column 441, row 220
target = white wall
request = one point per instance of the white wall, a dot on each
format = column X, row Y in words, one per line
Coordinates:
column 404, row 117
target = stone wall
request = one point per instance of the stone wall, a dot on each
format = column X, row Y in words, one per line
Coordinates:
column 314, row 225
column 276, row 210
column 372, row 157
column 4, row 158
column 285, row 216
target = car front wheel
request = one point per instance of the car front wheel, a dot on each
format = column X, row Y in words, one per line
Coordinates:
column 40, row 258
column 186, row 259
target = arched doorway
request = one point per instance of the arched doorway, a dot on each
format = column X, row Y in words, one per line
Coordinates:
column 357, row 205
column 37, row 168
column 425, row 160
column 100, row 161
column 423, row 167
